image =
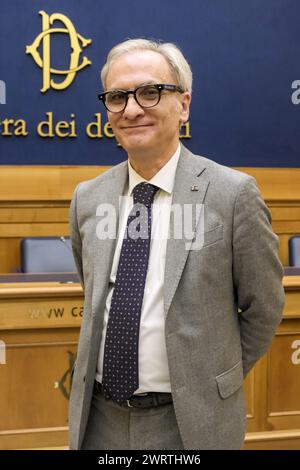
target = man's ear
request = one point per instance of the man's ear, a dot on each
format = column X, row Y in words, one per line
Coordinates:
column 185, row 107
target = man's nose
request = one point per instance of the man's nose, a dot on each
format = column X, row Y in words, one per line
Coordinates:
column 133, row 109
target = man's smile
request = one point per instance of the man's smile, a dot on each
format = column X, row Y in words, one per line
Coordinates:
column 136, row 126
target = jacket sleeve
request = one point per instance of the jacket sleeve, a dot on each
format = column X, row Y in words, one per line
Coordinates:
column 257, row 273
column 75, row 235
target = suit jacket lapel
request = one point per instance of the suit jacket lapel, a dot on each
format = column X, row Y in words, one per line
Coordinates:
column 112, row 189
column 189, row 174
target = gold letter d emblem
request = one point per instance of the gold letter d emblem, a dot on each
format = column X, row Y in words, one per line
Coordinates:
column 75, row 40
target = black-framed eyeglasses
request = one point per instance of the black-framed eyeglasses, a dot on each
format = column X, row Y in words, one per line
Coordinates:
column 146, row 96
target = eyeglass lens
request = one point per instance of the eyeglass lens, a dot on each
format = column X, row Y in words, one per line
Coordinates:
column 146, row 96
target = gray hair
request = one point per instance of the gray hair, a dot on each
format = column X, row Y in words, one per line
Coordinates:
column 173, row 55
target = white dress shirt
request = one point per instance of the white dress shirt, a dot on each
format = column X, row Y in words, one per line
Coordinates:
column 153, row 363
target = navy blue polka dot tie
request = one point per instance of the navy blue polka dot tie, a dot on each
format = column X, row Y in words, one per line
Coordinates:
column 120, row 364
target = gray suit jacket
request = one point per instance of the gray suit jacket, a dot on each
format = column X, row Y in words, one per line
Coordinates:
column 222, row 302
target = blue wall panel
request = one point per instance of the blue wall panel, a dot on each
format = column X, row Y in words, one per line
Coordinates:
column 245, row 56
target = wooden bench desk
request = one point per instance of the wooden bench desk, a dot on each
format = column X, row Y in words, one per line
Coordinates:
column 39, row 323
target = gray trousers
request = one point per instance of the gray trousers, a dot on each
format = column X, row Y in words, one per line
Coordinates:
column 114, row 427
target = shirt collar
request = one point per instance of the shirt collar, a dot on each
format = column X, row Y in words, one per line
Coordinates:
column 164, row 178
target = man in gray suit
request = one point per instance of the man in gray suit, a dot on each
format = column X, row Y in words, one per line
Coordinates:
column 184, row 296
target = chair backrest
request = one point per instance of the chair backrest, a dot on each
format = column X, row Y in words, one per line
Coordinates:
column 46, row 255
column 294, row 251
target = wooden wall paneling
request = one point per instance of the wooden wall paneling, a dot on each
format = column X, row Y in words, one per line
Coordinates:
column 249, row 386
column 283, row 377
column 277, row 184
column 19, row 220
column 34, row 380
column 40, row 324
column 283, row 410
column 36, row 183
column 34, row 201
column 39, row 438
column 256, row 398
column 273, row 440
column 43, row 183
column 9, row 254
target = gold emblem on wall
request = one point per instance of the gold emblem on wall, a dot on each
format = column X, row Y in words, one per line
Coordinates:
column 77, row 42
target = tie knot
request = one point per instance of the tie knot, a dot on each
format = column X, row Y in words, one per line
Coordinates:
column 144, row 193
